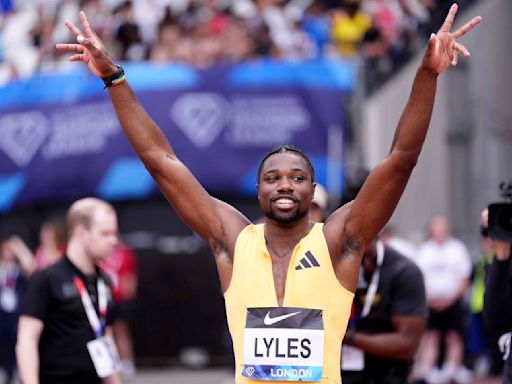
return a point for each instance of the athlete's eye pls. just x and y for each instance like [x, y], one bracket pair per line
[271, 179]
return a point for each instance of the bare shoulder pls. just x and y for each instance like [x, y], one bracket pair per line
[233, 222]
[334, 227]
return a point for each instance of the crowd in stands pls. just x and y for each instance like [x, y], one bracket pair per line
[205, 32]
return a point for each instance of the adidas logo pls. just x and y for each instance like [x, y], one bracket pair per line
[307, 262]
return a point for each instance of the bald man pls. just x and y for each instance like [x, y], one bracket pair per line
[62, 334]
[446, 266]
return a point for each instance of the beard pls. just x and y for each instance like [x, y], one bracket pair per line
[281, 219]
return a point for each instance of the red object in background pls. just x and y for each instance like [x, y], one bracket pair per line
[122, 269]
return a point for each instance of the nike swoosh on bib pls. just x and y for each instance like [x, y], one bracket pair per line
[272, 320]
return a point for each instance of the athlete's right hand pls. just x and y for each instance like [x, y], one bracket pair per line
[88, 48]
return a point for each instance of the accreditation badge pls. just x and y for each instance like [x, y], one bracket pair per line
[352, 358]
[283, 344]
[8, 299]
[104, 356]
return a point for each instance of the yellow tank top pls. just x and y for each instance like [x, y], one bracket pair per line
[310, 283]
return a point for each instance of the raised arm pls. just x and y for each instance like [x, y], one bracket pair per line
[376, 201]
[216, 222]
[23, 254]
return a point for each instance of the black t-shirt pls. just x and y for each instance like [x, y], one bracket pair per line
[497, 309]
[401, 291]
[53, 298]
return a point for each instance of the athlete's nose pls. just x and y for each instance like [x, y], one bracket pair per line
[285, 184]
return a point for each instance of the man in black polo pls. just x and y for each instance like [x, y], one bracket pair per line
[388, 319]
[62, 330]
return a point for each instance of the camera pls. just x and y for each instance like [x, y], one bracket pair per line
[500, 215]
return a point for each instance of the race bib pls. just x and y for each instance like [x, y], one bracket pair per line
[104, 356]
[283, 344]
[352, 358]
[8, 300]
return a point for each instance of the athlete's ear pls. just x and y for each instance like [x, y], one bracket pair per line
[313, 187]
[258, 190]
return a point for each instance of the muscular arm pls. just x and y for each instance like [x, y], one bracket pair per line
[379, 196]
[383, 188]
[177, 183]
[27, 349]
[215, 221]
[348, 235]
[401, 344]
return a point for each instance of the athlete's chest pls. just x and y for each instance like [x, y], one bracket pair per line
[280, 268]
[301, 270]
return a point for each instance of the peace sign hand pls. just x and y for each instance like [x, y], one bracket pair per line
[443, 50]
[89, 49]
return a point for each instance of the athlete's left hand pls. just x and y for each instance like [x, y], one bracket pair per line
[443, 50]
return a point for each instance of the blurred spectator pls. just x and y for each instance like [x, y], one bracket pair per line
[6, 6]
[121, 267]
[355, 180]
[280, 26]
[128, 34]
[388, 319]
[403, 246]
[168, 37]
[377, 62]
[316, 23]
[349, 26]
[20, 53]
[193, 16]
[497, 300]
[446, 266]
[203, 33]
[16, 264]
[64, 328]
[239, 45]
[317, 211]
[388, 17]
[482, 348]
[52, 242]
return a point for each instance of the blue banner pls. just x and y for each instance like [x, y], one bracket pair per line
[60, 137]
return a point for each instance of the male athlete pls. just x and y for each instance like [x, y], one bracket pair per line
[288, 283]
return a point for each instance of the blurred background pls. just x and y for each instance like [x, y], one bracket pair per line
[226, 80]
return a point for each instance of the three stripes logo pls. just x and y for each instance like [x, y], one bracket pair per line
[307, 262]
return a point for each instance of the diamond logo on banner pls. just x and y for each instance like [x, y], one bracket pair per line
[22, 135]
[201, 116]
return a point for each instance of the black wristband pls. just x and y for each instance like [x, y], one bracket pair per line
[113, 79]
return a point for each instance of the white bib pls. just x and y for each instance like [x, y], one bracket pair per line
[283, 344]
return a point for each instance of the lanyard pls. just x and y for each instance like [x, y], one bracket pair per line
[374, 284]
[97, 323]
[8, 277]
